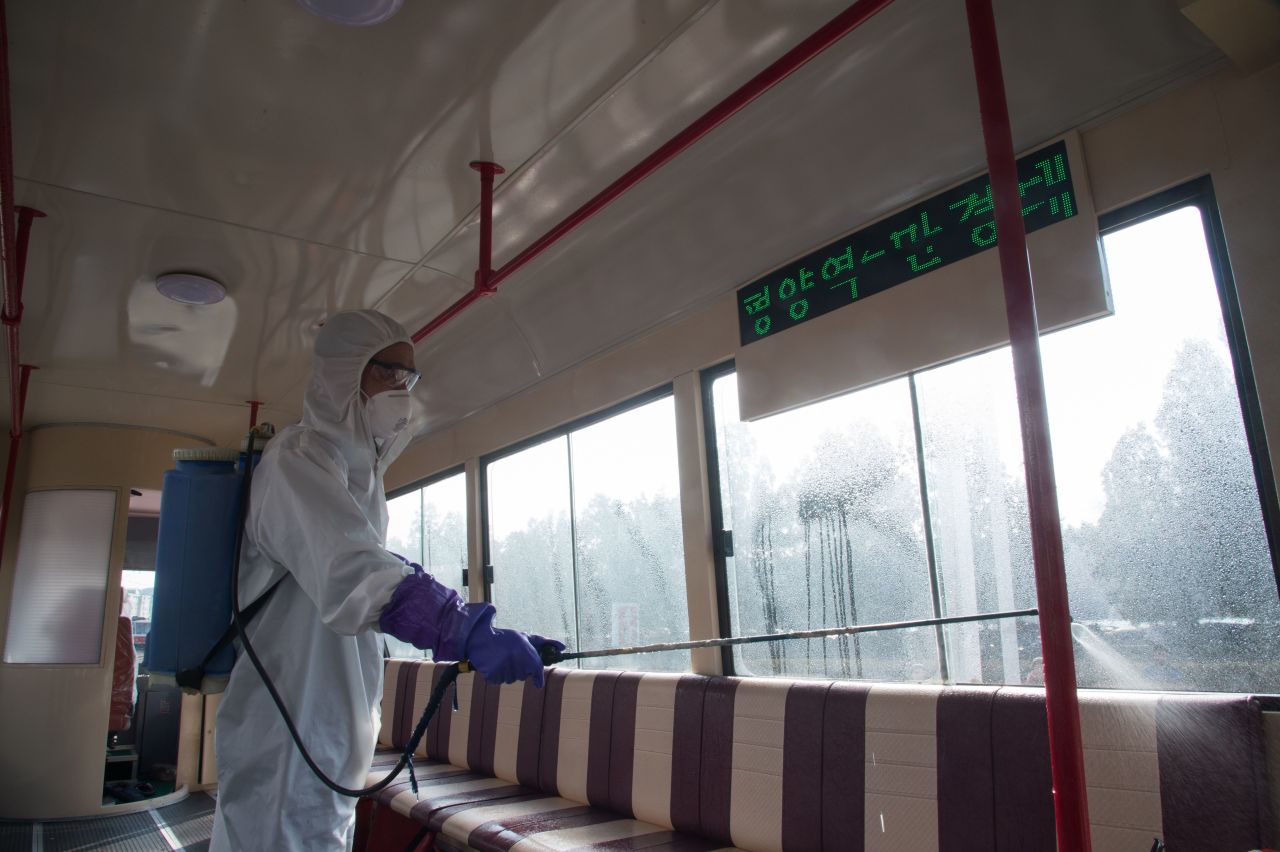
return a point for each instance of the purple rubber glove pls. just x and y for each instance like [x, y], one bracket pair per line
[503, 656]
[431, 616]
[541, 642]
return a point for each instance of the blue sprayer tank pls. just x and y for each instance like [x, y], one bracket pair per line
[191, 608]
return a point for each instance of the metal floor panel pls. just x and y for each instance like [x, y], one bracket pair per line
[127, 833]
[15, 835]
[189, 822]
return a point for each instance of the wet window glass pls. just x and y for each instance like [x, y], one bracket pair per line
[429, 526]
[824, 507]
[586, 539]
[531, 540]
[628, 540]
[1170, 577]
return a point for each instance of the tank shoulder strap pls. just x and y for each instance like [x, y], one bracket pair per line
[193, 677]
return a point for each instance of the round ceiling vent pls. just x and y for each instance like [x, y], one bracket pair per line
[353, 13]
[189, 288]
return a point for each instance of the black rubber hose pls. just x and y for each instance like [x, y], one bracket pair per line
[447, 677]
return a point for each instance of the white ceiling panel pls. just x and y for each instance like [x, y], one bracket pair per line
[886, 117]
[263, 114]
[422, 295]
[721, 50]
[469, 365]
[94, 318]
[222, 423]
[313, 167]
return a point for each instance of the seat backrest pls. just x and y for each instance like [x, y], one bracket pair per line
[123, 678]
[769, 764]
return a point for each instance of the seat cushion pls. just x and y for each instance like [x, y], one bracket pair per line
[436, 780]
[541, 822]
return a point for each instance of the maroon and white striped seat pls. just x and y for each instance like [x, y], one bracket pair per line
[610, 760]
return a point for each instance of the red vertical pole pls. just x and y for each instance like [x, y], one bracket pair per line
[11, 315]
[15, 441]
[26, 215]
[484, 270]
[1071, 807]
[254, 405]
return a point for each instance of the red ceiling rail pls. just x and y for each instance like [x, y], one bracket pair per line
[484, 283]
[1071, 808]
[14, 270]
[790, 62]
[15, 231]
[8, 240]
[15, 441]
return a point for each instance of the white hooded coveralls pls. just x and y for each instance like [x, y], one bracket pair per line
[318, 518]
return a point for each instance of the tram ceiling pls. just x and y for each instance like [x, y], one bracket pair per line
[312, 167]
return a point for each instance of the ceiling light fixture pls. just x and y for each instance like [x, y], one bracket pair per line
[353, 13]
[188, 288]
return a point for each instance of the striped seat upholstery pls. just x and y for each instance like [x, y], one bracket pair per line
[614, 760]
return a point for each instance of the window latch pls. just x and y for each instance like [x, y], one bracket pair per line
[488, 575]
[726, 543]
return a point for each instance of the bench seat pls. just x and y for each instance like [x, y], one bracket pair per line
[610, 760]
[487, 814]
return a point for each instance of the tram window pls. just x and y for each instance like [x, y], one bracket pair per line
[1169, 571]
[824, 505]
[138, 577]
[428, 525]
[978, 513]
[1168, 568]
[585, 536]
[60, 584]
[1162, 523]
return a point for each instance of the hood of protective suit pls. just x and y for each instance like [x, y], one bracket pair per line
[333, 405]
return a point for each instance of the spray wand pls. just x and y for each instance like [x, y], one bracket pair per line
[550, 656]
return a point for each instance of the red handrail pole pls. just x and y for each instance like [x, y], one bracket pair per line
[472, 295]
[484, 269]
[484, 284]
[12, 314]
[8, 241]
[15, 392]
[1071, 807]
[786, 65]
[254, 405]
[15, 441]
[26, 215]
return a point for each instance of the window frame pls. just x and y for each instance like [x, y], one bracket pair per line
[421, 484]
[563, 430]
[707, 379]
[1196, 193]
[418, 485]
[427, 481]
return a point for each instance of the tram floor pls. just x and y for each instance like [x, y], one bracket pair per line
[186, 825]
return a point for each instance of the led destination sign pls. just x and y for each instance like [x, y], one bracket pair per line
[951, 226]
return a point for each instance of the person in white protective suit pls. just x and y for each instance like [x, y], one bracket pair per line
[318, 519]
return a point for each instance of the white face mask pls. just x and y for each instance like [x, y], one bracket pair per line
[389, 413]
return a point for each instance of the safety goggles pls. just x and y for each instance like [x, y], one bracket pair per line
[398, 375]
